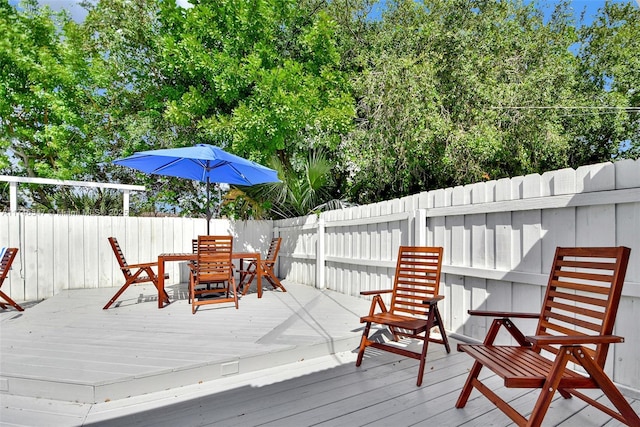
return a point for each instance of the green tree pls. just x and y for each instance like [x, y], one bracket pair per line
[456, 91]
[130, 92]
[261, 77]
[443, 92]
[43, 92]
[256, 78]
[611, 67]
[299, 193]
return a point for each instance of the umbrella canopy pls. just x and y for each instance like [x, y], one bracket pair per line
[202, 162]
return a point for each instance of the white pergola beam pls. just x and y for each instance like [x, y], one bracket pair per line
[14, 180]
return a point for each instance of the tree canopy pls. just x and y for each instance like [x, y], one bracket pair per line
[346, 105]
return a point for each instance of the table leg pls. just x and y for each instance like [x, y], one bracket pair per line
[259, 276]
[160, 282]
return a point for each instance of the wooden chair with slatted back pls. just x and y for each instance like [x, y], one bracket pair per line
[267, 265]
[133, 273]
[414, 305]
[5, 265]
[213, 266]
[575, 325]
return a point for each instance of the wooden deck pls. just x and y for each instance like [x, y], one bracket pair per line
[285, 359]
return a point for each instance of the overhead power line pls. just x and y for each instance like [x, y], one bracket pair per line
[565, 107]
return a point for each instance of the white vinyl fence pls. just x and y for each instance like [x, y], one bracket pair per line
[59, 252]
[499, 239]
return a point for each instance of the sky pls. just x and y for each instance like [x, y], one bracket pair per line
[591, 6]
[76, 11]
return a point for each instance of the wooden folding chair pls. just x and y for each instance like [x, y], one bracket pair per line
[143, 272]
[5, 265]
[574, 325]
[414, 305]
[220, 245]
[213, 265]
[267, 265]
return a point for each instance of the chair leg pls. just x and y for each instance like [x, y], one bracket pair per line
[10, 301]
[445, 340]
[549, 388]
[275, 282]
[423, 357]
[246, 277]
[117, 295]
[468, 385]
[232, 286]
[124, 287]
[363, 343]
[475, 371]
[425, 344]
[192, 296]
[164, 291]
[626, 413]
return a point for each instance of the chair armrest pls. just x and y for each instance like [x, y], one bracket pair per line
[574, 339]
[142, 265]
[377, 292]
[433, 300]
[503, 314]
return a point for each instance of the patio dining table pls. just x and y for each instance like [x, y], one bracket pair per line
[190, 256]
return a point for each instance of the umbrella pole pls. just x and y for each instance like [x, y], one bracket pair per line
[208, 211]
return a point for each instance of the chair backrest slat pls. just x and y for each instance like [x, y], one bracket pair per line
[417, 278]
[122, 262]
[274, 248]
[209, 244]
[583, 294]
[5, 263]
[214, 258]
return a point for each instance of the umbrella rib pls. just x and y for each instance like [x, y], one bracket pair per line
[177, 160]
[230, 165]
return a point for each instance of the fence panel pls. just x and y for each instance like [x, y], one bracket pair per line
[499, 238]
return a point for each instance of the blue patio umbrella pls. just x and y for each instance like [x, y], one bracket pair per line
[202, 162]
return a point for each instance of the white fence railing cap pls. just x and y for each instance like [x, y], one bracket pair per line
[14, 180]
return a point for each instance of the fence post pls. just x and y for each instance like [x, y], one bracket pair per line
[275, 232]
[320, 255]
[125, 203]
[13, 196]
[420, 227]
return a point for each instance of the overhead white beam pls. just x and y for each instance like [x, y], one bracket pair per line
[14, 180]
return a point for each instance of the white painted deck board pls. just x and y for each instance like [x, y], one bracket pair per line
[90, 346]
[295, 356]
